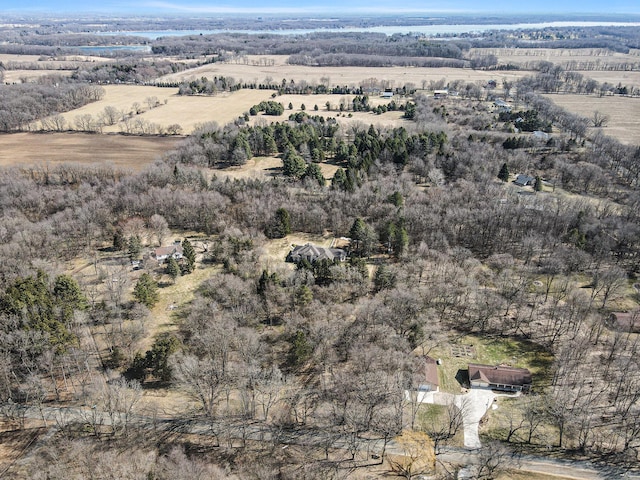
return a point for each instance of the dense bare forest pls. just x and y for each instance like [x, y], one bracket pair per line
[307, 371]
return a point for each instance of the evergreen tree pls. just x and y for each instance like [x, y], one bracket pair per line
[119, 240]
[504, 173]
[146, 290]
[172, 268]
[303, 295]
[384, 278]
[134, 246]
[314, 173]
[280, 224]
[189, 254]
[299, 351]
[157, 358]
[33, 305]
[537, 186]
[339, 180]
[363, 238]
[396, 199]
[293, 165]
[69, 296]
[400, 242]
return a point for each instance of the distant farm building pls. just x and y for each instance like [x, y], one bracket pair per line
[541, 136]
[313, 253]
[502, 106]
[440, 93]
[625, 321]
[388, 93]
[499, 377]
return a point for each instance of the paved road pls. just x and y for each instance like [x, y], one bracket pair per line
[574, 469]
[462, 456]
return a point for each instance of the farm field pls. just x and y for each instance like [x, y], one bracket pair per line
[566, 57]
[629, 79]
[183, 110]
[125, 152]
[189, 111]
[393, 76]
[623, 112]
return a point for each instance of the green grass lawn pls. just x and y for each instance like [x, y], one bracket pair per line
[491, 351]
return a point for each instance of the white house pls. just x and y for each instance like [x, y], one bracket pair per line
[162, 253]
[388, 93]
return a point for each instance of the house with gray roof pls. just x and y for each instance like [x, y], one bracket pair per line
[522, 180]
[313, 253]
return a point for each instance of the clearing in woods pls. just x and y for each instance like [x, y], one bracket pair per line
[623, 113]
[186, 111]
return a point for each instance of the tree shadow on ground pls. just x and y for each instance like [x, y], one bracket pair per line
[463, 377]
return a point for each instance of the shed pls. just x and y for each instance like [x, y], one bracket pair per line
[388, 93]
[431, 380]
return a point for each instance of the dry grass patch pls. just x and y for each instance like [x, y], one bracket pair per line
[189, 111]
[263, 168]
[353, 76]
[173, 297]
[630, 79]
[623, 113]
[123, 152]
[186, 111]
[15, 441]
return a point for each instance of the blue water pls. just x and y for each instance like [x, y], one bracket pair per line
[429, 30]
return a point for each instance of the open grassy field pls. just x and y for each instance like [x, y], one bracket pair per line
[623, 112]
[126, 152]
[20, 68]
[395, 76]
[24, 76]
[187, 111]
[580, 58]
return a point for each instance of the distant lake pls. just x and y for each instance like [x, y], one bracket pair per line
[429, 30]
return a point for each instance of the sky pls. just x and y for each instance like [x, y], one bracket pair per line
[318, 7]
